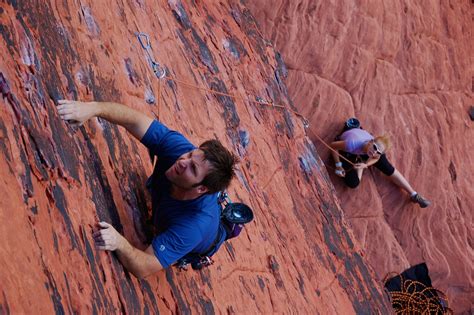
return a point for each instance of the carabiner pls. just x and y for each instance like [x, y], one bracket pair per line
[147, 38]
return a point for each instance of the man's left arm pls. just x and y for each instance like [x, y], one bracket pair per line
[140, 263]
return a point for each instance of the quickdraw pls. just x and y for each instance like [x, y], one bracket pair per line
[144, 40]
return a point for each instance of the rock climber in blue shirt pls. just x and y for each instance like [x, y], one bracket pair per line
[184, 187]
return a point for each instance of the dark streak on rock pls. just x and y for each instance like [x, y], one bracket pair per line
[205, 54]
[205, 277]
[71, 85]
[128, 291]
[65, 148]
[359, 308]
[131, 73]
[55, 242]
[333, 240]
[90, 22]
[23, 118]
[94, 309]
[261, 283]
[230, 250]
[3, 146]
[452, 171]
[19, 111]
[244, 137]
[279, 128]
[368, 279]
[282, 70]
[281, 73]
[354, 266]
[348, 239]
[53, 290]
[8, 38]
[300, 280]
[145, 286]
[289, 124]
[180, 301]
[244, 181]
[68, 292]
[34, 209]
[187, 47]
[249, 25]
[230, 112]
[4, 86]
[90, 255]
[236, 48]
[26, 177]
[206, 305]
[43, 154]
[146, 310]
[101, 192]
[306, 168]
[181, 16]
[4, 308]
[285, 158]
[39, 15]
[275, 270]
[247, 288]
[104, 90]
[109, 138]
[60, 201]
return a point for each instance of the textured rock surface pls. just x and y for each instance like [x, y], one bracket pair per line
[56, 183]
[405, 68]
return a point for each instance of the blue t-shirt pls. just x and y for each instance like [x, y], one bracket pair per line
[183, 226]
[355, 140]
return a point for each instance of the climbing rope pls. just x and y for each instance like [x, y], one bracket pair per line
[160, 73]
[417, 298]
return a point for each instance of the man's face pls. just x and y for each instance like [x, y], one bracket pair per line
[189, 170]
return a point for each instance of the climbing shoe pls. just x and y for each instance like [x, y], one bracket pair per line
[420, 200]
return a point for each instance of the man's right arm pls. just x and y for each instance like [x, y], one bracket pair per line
[78, 112]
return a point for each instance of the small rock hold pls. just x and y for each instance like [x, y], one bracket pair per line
[149, 97]
[129, 70]
[244, 138]
[91, 24]
[180, 14]
[272, 263]
[471, 113]
[4, 87]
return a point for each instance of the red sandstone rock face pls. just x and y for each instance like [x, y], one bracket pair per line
[403, 68]
[298, 256]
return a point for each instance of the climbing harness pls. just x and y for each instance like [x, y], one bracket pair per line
[232, 220]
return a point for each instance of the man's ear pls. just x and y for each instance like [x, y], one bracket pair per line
[202, 189]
